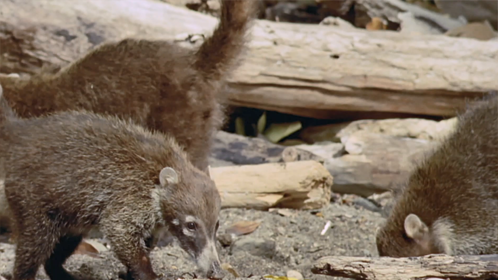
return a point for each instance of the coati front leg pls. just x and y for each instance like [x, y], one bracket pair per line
[63, 250]
[35, 242]
[125, 233]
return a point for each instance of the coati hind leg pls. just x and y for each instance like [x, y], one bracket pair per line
[65, 248]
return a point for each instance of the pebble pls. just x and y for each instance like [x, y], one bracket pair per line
[225, 239]
[255, 246]
[294, 274]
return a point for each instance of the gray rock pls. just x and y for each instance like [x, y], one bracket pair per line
[225, 239]
[409, 128]
[323, 149]
[375, 163]
[254, 246]
[472, 10]
[294, 274]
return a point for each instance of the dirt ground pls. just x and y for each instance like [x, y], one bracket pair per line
[289, 240]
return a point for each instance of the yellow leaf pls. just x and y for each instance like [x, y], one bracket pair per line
[239, 126]
[278, 131]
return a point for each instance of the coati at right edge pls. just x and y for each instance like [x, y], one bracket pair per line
[156, 83]
[450, 202]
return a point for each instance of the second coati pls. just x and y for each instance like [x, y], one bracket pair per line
[156, 83]
[450, 202]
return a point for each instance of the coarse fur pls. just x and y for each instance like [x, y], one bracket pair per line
[156, 83]
[69, 172]
[450, 203]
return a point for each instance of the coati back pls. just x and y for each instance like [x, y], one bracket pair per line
[155, 83]
[450, 203]
[69, 172]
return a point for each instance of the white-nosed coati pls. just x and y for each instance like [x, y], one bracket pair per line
[156, 83]
[450, 203]
[69, 172]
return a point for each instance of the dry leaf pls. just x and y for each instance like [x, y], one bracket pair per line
[262, 123]
[278, 131]
[240, 126]
[376, 24]
[229, 268]
[319, 214]
[86, 249]
[243, 227]
[283, 212]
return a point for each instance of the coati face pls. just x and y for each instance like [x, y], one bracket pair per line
[411, 239]
[192, 207]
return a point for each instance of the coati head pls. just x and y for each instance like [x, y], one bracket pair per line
[412, 238]
[190, 207]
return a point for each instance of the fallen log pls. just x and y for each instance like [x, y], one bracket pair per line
[308, 70]
[240, 150]
[298, 185]
[440, 266]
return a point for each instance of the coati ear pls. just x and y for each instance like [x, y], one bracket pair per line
[168, 176]
[415, 228]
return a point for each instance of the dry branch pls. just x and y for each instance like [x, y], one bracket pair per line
[306, 70]
[441, 266]
[299, 185]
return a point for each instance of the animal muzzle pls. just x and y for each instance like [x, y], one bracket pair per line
[209, 262]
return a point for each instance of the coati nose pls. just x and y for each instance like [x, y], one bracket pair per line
[216, 272]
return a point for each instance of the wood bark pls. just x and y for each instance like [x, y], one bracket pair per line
[307, 70]
[440, 266]
[298, 185]
[233, 149]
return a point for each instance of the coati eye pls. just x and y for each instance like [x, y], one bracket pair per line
[191, 226]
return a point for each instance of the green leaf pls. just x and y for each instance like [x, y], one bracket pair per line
[262, 123]
[278, 131]
[239, 126]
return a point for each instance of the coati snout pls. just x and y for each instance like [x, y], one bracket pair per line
[199, 241]
[194, 223]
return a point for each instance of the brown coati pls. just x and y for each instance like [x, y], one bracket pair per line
[70, 172]
[450, 202]
[156, 83]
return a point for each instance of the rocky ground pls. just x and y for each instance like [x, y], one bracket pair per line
[285, 244]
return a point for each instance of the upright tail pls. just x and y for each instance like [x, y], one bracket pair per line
[6, 112]
[219, 53]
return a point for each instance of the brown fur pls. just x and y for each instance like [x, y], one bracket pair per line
[69, 172]
[156, 83]
[453, 194]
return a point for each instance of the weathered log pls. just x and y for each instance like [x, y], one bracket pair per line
[390, 9]
[299, 185]
[441, 266]
[307, 70]
[240, 150]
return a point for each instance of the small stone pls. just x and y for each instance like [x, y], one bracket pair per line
[225, 239]
[294, 274]
[255, 246]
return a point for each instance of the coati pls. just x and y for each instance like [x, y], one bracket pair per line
[69, 172]
[450, 202]
[156, 83]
